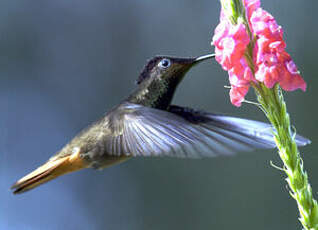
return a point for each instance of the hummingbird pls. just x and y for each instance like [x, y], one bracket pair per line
[146, 124]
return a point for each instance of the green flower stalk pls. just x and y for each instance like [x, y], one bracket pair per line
[274, 106]
[249, 45]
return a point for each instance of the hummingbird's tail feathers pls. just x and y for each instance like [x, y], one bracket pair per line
[49, 171]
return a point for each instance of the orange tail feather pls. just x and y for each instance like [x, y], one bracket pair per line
[49, 171]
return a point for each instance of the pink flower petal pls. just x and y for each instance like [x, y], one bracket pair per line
[237, 95]
[291, 79]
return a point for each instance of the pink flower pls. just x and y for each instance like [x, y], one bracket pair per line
[241, 74]
[251, 6]
[274, 64]
[230, 43]
[271, 63]
[237, 95]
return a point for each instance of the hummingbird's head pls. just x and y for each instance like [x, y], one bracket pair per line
[160, 78]
[168, 69]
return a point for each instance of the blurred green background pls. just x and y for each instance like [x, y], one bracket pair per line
[63, 64]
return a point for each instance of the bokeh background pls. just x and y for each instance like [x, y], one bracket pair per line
[63, 64]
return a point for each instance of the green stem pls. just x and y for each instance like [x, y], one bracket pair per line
[274, 106]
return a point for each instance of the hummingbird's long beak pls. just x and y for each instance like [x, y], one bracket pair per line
[204, 57]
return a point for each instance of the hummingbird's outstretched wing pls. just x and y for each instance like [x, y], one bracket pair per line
[184, 132]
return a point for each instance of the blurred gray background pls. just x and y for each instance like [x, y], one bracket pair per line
[63, 64]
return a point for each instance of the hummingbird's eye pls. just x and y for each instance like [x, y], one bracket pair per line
[164, 63]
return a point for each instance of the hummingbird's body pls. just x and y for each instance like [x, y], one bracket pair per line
[145, 124]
